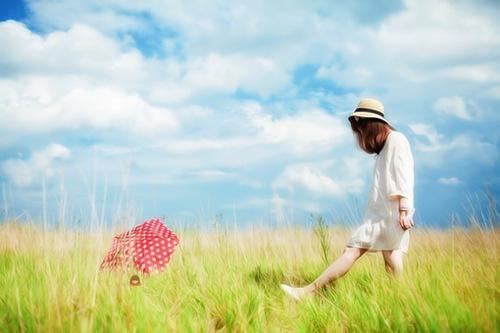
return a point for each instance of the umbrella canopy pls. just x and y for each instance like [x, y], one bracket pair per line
[147, 247]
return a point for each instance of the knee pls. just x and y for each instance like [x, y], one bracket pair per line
[394, 268]
[393, 262]
[352, 254]
[398, 267]
[397, 272]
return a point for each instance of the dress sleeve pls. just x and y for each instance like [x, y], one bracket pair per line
[401, 173]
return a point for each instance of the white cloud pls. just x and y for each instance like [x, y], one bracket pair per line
[469, 148]
[113, 150]
[80, 72]
[216, 72]
[477, 73]
[74, 80]
[212, 174]
[306, 131]
[79, 50]
[186, 146]
[434, 139]
[462, 146]
[313, 178]
[448, 30]
[453, 105]
[306, 177]
[98, 60]
[462, 43]
[108, 16]
[457, 33]
[253, 202]
[46, 104]
[42, 163]
[311, 207]
[451, 181]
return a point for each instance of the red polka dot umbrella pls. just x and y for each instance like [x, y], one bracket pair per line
[147, 247]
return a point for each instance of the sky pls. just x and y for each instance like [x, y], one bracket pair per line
[236, 112]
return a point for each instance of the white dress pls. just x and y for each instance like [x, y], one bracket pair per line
[393, 175]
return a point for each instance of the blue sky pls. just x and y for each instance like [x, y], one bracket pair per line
[235, 109]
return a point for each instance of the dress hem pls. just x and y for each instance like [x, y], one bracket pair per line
[371, 249]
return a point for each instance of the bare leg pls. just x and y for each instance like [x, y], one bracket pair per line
[394, 262]
[337, 269]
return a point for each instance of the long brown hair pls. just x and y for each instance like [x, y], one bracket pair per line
[371, 133]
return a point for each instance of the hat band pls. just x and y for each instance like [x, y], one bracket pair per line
[370, 111]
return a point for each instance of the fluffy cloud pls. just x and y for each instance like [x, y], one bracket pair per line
[41, 164]
[462, 44]
[451, 33]
[284, 37]
[434, 139]
[313, 178]
[81, 50]
[99, 60]
[240, 91]
[461, 146]
[454, 106]
[110, 17]
[227, 73]
[39, 104]
[74, 80]
[218, 74]
[305, 132]
[451, 181]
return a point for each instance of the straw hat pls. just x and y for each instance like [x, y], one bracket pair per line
[369, 108]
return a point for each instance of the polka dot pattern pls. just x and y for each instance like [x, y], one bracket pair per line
[148, 247]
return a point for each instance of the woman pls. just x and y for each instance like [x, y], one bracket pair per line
[389, 214]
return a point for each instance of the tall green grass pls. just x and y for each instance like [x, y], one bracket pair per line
[228, 280]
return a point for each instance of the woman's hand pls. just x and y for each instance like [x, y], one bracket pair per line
[405, 219]
[405, 213]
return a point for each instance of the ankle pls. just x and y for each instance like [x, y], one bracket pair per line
[311, 288]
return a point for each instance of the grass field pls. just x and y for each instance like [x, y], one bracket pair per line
[229, 281]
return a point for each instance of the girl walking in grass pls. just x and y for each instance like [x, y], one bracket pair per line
[389, 213]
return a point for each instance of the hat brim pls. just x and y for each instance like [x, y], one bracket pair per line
[362, 114]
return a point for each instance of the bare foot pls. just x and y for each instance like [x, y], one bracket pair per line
[296, 293]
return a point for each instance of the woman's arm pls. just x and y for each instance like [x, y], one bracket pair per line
[401, 179]
[405, 213]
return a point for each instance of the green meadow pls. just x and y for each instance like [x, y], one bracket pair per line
[228, 280]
